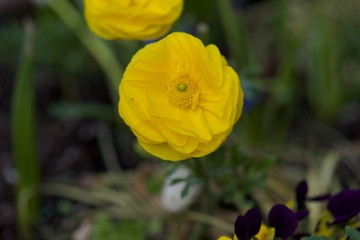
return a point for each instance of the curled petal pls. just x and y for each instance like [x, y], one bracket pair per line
[241, 228]
[301, 192]
[344, 205]
[283, 220]
[253, 217]
[300, 215]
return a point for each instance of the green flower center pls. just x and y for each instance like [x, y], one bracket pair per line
[182, 91]
[182, 87]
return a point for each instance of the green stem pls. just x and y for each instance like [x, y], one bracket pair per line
[209, 202]
[235, 34]
[24, 139]
[204, 218]
[97, 48]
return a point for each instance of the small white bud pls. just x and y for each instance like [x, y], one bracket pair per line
[171, 198]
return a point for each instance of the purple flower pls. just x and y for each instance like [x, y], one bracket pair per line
[301, 198]
[249, 225]
[344, 205]
[301, 193]
[283, 220]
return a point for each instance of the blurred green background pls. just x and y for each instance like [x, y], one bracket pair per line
[299, 64]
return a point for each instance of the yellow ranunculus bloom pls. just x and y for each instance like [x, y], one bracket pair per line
[131, 19]
[180, 98]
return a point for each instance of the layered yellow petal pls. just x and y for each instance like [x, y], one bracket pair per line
[129, 19]
[163, 151]
[180, 98]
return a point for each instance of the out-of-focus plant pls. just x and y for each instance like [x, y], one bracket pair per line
[98, 49]
[24, 140]
[160, 105]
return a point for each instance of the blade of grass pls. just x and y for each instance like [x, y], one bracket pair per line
[235, 34]
[97, 48]
[90, 110]
[325, 90]
[24, 138]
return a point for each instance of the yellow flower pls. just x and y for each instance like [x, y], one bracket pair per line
[265, 233]
[323, 228]
[180, 98]
[226, 238]
[131, 19]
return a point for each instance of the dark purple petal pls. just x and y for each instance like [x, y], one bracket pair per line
[241, 228]
[301, 192]
[300, 215]
[344, 205]
[253, 217]
[344, 218]
[283, 220]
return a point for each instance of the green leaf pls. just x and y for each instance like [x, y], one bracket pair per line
[177, 180]
[24, 138]
[186, 189]
[352, 233]
[314, 238]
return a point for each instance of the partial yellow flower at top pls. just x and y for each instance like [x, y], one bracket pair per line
[131, 19]
[180, 98]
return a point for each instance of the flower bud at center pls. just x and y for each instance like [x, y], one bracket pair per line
[182, 87]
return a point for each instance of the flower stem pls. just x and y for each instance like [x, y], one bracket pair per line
[207, 205]
[97, 48]
[24, 138]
